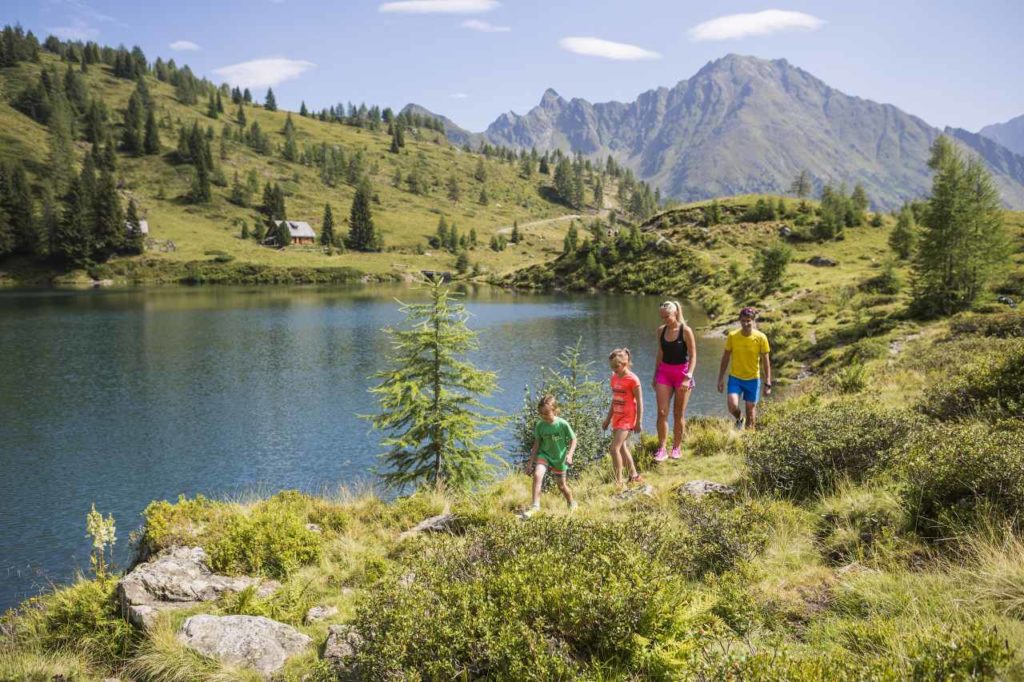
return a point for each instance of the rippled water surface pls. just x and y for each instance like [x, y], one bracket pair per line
[120, 398]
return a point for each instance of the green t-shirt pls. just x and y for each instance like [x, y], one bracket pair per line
[554, 439]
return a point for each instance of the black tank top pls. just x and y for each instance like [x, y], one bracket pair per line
[674, 352]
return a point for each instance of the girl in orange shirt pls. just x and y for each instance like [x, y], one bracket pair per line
[625, 414]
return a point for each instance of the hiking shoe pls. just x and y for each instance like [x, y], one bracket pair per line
[676, 454]
[530, 511]
[739, 423]
[660, 455]
[636, 479]
[573, 506]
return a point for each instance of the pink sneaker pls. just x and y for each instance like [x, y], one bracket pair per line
[675, 453]
[660, 455]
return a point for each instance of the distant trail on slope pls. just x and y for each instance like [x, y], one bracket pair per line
[505, 230]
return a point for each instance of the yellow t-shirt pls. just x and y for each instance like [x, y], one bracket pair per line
[746, 353]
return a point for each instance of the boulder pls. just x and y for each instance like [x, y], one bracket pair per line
[784, 231]
[639, 491]
[342, 644]
[177, 578]
[699, 489]
[320, 613]
[442, 523]
[314, 528]
[822, 262]
[250, 641]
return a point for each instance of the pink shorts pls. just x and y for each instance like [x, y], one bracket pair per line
[672, 375]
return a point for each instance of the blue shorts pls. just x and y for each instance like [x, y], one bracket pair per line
[748, 389]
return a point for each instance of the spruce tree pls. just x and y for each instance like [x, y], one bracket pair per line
[565, 182]
[282, 235]
[61, 160]
[211, 107]
[303, 111]
[901, 239]
[134, 239]
[72, 238]
[247, 96]
[484, 200]
[441, 234]
[516, 237]
[8, 242]
[327, 231]
[239, 194]
[962, 241]
[480, 174]
[361, 232]
[429, 400]
[801, 186]
[462, 263]
[454, 190]
[200, 192]
[571, 241]
[151, 141]
[108, 218]
[270, 103]
[240, 116]
[16, 199]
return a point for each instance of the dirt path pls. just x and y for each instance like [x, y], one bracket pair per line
[537, 223]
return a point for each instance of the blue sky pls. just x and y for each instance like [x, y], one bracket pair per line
[949, 62]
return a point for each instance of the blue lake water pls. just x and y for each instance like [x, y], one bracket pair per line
[121, 397]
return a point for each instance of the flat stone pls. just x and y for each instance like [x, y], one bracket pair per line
[641, 490]
[699, 489]
[318, 613]
[342, 644]
[177, 578]
[822, 262]
[442, 523]
[250, 641]
[314, 527]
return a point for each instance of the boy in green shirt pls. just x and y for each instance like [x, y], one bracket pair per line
[554, 443]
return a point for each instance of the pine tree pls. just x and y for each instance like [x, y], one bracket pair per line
[270, 104]
[770, 264]
[8, 242]
[220, 102]
[462, 263]
[440, 240]
[72, 239]
[240, 116]
[303, 111]
[151, 140]
[565, 182]
[211, 107]
[239, 195]
[134, 239]
[480, 174]
[801, 186]
[327, 231]
[515, 238]
[901, 239]
[544, 169]
[598, 194]
[484, 200]
[16, 199]
[962, 241]
[571, 241]
[454, 190]
[62, 156]
[247, 96]
[245, 230]
[282, 235]
[200, 192]
[473, 239]
[361, 232]
[429, 400]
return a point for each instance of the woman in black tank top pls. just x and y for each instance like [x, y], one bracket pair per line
[673, 376]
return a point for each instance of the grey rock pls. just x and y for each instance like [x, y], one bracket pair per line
[342, 644]
[822, 262]
[442, 523]
[640, 491]
[699, 489]
[784, 231]
[250, 641]
[314, 527]
[177, 578]
[318, 613]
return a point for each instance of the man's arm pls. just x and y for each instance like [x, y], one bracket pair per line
[724, 365]
[766, 365]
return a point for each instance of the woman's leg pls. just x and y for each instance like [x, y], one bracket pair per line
[664, 396]
[679, 423]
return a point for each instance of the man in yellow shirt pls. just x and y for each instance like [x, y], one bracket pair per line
[748, 349]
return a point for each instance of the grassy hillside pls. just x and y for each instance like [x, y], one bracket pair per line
[160, 185]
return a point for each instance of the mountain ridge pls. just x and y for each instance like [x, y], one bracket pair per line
[744, 125]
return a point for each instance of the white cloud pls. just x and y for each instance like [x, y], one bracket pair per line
[484, 27]
[763, 23]
[260, 73]
[440, 6]
[596, 47]
[184, 45]
[79, 31]
[458, 95]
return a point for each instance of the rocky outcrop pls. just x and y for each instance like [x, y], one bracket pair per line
[699, 489]
[442, 523]
[177, 578]
[318, 613]
[250, 641]
[822, 262]
[342, 644]
[645, 490]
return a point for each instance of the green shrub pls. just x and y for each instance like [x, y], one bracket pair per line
[548, 599]
[1003, 325]
[858, 523]
[989, 385]
[185, 522]
[851, 378]
[85, 617]
[272, 539]
[955, 471]
[804, 450]
[721, 534]
[709, 437]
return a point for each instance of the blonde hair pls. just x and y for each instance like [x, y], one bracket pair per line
[622, 356]
[548, 402]
[678, 311]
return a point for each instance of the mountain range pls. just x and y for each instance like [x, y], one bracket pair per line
[1009, 134]
[748, 125]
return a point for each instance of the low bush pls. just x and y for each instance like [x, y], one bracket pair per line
[721, 534]
[270, 540]
[85, 617]
[554, 598]
[1003, 325]
[186, 522]
[988, 385]
[954, 471]
[804, 450]
[709, 437]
